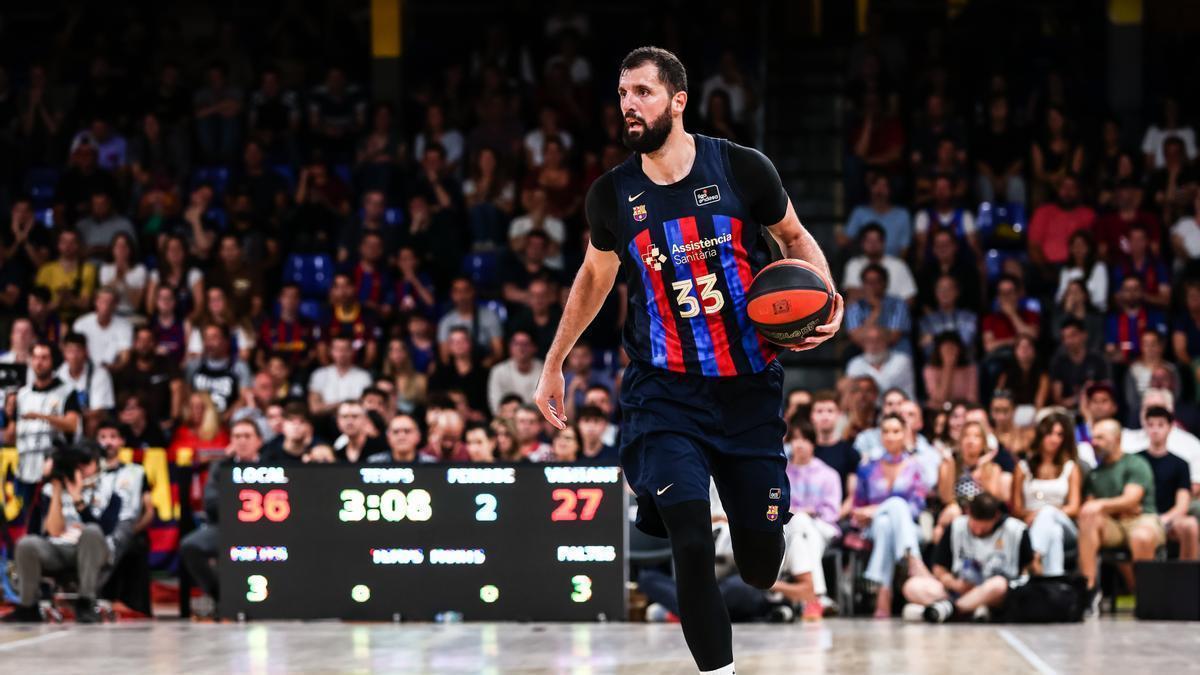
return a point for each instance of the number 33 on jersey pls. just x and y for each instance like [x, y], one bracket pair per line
[689, 252]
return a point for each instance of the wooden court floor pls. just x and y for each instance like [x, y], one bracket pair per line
[837, 646]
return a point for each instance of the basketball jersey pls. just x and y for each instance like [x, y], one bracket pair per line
[689, 252]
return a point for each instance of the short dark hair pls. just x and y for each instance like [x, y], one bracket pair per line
[295, 408]
[801, 425]
[1074, 322]
[511, 398]
[872, 227]
[42, 293]
[111, 423]
[875, 268]
[1160, 412]
[373, 391]
[670, 69]
[246, 421]
[77, 339]
[591, 412]
[984, 507]
[478, 426]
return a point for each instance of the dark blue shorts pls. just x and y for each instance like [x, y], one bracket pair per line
[678, 429]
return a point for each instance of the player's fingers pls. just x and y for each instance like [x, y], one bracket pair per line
[550, 410]
[835, 320]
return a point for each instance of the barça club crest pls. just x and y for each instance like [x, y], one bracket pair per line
[639, 212]
[773, 512]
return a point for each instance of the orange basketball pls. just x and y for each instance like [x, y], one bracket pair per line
[788, 299]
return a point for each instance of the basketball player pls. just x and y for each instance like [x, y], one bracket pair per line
[703, 392]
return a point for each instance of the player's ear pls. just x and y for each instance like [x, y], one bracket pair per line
[679, 102]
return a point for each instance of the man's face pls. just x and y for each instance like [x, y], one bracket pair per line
[373, 206]
[528, 426]
[245, 442]
[1068, 192]
[1131, 293]
[872, 244]
[1002, 411]
[214, 343]
[873, 342]
[541, 296]
[866, 392]
[462, 294]
[68, 245]
[459, 344]
[342, 353]
[881, 191]
[646, 105]
[946, 292]
[824, 416]
[343, 290]
[874, 285]
[22, 212]
[110, 439]
[942, 191]
[592, 429]
[289, 300]
[1101, 405]
[535, 250]
[980, 528]
[42, 362]
[599, 398]
[101, 206]
[580, 359]
[1106, 438]
[403, 435]
[230, 252]
[521, 347]
[1158, 428]
[274, 416]
[106, 304]
[74, 355]
[263, 388]
[1073, 338]
[349, 419]
[480, 447]
[371, 248]
[252, 155]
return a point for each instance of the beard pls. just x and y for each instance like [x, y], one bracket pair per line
[651, 137]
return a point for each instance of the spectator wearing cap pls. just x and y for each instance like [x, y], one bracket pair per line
[70, 278]
[900, 281]
[483, 327]
[877, 309]
[895, 221]
[1142, 263]
[1053, 223]
[109, 336]
[101, 226]
[1074, 366]
[1172, 483]
[1128, 321]
[339, 381]
[517, 374]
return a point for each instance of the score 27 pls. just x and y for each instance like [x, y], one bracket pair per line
[568, 499]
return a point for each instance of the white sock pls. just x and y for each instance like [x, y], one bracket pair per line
[727, 670]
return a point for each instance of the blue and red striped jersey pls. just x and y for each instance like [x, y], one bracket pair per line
[689, 252]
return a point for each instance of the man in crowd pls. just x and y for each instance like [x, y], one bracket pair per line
[899, 279]
[838, 453]
[1052, 225]
[403, 441]
[91, 383]
[296, 444]
[1127, 322]
[894, 220]
[218, 372]
[109, 336]
[351, 320]
[128, 577]
[289, 335]
[1172, 483]
[1074, 366]
[357, 440]
[890, 368]
[155, 377]
[592, 423]
[516, 375]
[44, 413]
[340, 381]
[482, 324]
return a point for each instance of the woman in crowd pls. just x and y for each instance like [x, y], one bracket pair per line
[200, 430]
[489, 195]
[949, 375]
[564, 197]
[398, 368]
[1025, 377]
[507, 449]
[125, 274]
[1011, 436]
[890, 495]
[1082, 264]
[816, 500]
[565, 447]
[1053, 156]
[422, 347]
[171, 327]
[967, 474]
[174, 272]
[945, 440]
[217, 311]
[1047, 493]
[414, 286]
[1076, 304]
[1137, 378]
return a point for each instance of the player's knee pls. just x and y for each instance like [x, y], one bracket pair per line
[758, 556]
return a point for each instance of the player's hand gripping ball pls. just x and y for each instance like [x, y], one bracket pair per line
[793, 305]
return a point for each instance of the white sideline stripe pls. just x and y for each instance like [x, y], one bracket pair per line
[1028, 654]
[45, 637]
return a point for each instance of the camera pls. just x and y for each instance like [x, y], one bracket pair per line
[69, 459]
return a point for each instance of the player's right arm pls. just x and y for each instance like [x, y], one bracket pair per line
[592, 285]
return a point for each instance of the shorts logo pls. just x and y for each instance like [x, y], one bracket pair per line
[775, 493]
[639, 212]
[654, 258]
[707, 195]
[773, 512]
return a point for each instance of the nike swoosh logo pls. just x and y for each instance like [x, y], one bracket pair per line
[662, 490]
[633, 198]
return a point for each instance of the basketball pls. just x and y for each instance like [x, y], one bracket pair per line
[788, 300]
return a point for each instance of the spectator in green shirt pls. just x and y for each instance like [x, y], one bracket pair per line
[1119, 508]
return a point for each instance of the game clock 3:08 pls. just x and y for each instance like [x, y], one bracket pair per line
[392, 506]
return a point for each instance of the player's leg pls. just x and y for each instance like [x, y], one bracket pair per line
[756, 494]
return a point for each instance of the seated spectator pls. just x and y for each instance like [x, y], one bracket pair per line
[944, 215]
[481, 443]
[548, 127]
[349, 318]
[868, 442]
[529, 439]
[101, 226]
[150, 374]
[255, 403]
[109, 336]
[273, 116]
[537, 219]
[1172, 484]
[337, 113]
[564, 194]
[579, 374]
[947, 317]
[520, 268]
[600, 396]
[1172, 184]
[398, 368]
[861, 404]
[890, 368]
[877, 309]
[436, 131]
[125, 275]
[218, 107]
[949, 164]
[357, 440]
[82, 177]
[539, 318]
[43, 320]
[1142, 369]
[370, 219]
[816, 493]
[242, 283]
[876, 139]
[517, 374]
[296, 442]
[1000, 156]
[217, 311]
[997, 453]
[174, 273]
[91, 383]
[950, 375]
[592, 424]
[445, 435]
[462, 370]
[414, 290]
[1169, 126]
[340, 381]
[287, 335]
[1010, 320]
[1053, 223]
[70, 278]
[890, 494]
[1074, 366]
[970, 472]
[382, 151]
[1025, 377]
[141, 431]
[1054, 156]
[198, 550]
[1128, 321]
[1076, 306]
[21, 339]
[403, 443]
[200, 428]
[489, 194]
[1140, 262]
[1047, 489]
[1185, 336]
[374, 286]
[834, 451]
[71, 533]
[218, 372]
[127, 577]
[507, 449]
[1185, 237]
[564, 447]
[1112, 229]
[900, 281]
[983, 551]
[1180, 441]
[1083, 265]
[894, 221]
[1119, 507]
[482, 325]
[948, 260]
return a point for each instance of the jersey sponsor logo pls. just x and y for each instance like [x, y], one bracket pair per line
[700, 249]
[707, 195]
[639, 212]
[773, 512]
[654, 258]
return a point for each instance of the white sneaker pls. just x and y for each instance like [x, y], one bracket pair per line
[656, 613]
[913, 612]
[982, 614]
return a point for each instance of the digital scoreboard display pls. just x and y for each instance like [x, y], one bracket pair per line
[536, 542]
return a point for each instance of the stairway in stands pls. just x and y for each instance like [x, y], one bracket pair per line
[804, 137]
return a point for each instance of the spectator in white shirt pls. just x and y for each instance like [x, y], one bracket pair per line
[872, 240]
[92, 384]
[337, 382]
[1185, 235]
[1152, 142]
[109, 337]
[516, 375]
[548, 126]
[891, 369]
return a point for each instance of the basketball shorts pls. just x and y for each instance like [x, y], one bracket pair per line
[679, 429]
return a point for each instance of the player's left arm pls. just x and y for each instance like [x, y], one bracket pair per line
[758, 181]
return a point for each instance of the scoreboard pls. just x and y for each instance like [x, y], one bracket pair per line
[537, 542]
